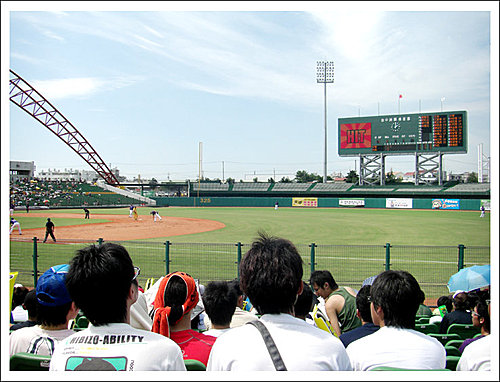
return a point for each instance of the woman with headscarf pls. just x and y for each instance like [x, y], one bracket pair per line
[176, 297]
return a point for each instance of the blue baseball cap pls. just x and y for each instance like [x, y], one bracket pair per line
[51, 289]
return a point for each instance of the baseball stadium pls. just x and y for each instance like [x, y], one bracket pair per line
[356, 230]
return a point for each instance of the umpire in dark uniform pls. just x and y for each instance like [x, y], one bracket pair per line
[49, 230]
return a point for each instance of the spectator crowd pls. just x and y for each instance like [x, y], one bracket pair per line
[176, 319]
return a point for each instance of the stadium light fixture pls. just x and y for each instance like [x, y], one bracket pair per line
[324, 75]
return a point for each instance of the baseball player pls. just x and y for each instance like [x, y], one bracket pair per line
[482, 212]
[13, 224]
[131, 210]
[87, 213]
[134, 212]
[155, 215]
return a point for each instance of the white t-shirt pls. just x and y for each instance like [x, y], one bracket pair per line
[302, 347]
[476, 356]
[19, 314]
[117, 347]
[215, 332]
[139, 313]
[395, 347]
[240, 317]
[36, 340]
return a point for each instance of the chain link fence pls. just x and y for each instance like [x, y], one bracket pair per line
[432, 266]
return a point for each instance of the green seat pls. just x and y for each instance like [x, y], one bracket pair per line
[427, 328]
[29, 362]
[463, 330]
[477, 335]
[451, 362]
[444, 338]
[82, 322]
[422, 320]
[194, 365]
[452, 350]
[390, 368]
[454, 343]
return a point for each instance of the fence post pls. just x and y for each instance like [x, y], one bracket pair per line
[167, 257]
[313, 256]
[461, 248]
[99, 242]
[35, 261]
[387, 256]
[239, 260]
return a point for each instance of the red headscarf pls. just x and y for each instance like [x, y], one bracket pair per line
[161, 312]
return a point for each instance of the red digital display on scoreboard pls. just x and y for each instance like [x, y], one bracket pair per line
[355, 136]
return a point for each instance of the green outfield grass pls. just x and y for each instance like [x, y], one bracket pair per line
[319, 225]
[350, 242]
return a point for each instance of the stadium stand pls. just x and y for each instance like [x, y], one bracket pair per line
[469, 187]
[211, 186]
[251, 186]
[328, 187]
[419, 189]
[372, 189]
[43, 193]
[291, 186]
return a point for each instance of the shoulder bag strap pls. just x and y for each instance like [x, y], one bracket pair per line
[271, 346]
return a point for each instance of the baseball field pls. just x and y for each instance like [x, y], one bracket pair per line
[350, 241]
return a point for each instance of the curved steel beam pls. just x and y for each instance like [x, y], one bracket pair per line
[32, 102]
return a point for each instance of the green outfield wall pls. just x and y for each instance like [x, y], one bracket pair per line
[312, 202]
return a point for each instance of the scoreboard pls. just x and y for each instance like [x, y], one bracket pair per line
[444, 132]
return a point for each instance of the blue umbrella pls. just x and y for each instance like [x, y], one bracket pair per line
[470, 278]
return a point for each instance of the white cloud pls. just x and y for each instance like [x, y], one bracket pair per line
[79, 87]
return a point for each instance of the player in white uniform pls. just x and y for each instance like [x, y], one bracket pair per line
[13, 224]
[155, 215]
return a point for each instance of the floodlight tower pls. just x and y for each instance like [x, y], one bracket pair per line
[324, 75]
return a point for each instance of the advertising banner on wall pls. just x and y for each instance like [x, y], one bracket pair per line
[398, 203]
[446, 204]
[304, 202]
[352, 202]
[486, 204]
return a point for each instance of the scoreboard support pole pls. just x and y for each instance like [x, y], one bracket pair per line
[372, 169]
[428, 164]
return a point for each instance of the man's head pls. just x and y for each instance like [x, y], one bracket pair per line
[220, 299]
[446, 301]
[102, 282]
[323, 283]
[460, 301]
[363, 304]
[481, 316]
[395, 298]
[54, 301]
[271, 275]
[235, 284]
[304, 303]
[30, 304]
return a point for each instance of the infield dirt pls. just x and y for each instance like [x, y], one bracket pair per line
[122, 227]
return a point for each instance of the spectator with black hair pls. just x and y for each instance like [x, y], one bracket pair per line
[459, 314]
[55, 309]
[18, 313]
[477, 355]
[219, 300]
[176, 297]
[240, 316]
[30, 305]
[102, 281]
[340, 302]
[423, 310]
[304, 304]
[271, 276]
[394, 300]
[363, 311]
[480, 319]
[444, 305]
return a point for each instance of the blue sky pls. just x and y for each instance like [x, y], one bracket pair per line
[144, 84]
